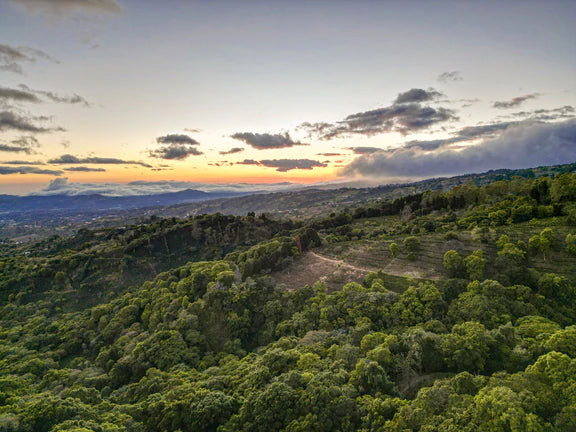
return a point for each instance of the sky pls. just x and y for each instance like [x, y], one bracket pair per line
[141, 95]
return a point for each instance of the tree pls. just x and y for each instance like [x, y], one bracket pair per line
[412, 244]
[571, 243]
[475, 264]
[466, 347]
[394, 248]
[453, 263]
[371, 378]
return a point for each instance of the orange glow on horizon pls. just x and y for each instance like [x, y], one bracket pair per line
[232, 174]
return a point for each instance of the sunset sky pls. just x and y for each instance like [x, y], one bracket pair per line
[106, 91]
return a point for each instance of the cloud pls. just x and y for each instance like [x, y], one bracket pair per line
[176, 147]
[266, 141]
[63, 7]
[174, 152]
[232, 151]
[71, 159]
[176, 139]
[364, 150]
[61, 186]
[248, 162]
[12, 121]
[18, 95]
[54, 97]
[6, 170]
[417, 95]
[21, 162]
[12, 58]
[514, 102]
[521, 145]
[284, 165]
[446, 77]
[405, 115]
[468, 133]
[563, 112]
[429, 145]
[14, 149]
[85, 169]
[329, 154]
[24, 144]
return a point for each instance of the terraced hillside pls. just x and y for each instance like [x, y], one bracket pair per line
[427, 261]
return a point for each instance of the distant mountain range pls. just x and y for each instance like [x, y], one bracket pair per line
[38, 216]
[96, 202]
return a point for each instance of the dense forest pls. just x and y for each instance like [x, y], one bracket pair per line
[178, 325]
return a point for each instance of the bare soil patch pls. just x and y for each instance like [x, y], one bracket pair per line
[310, 268]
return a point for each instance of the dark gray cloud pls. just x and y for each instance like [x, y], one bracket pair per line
[266, 141]
[417, 95]
[12, 58]
[284, 165]
[446, 77]
[514, 102]
[14, 149]
[24, 144]
[232, 151]
[248, 162]
[364, 150]
[329, 154]
[54, 97]
[405, 115]
[85, 169]
[401, 118]
[175, 147]
[63, 7]
[18, 95]
[21, 162]
[71, 159]
[490, 129]
[174, 152]
[176, 139]
[521, 145]
[11, 121]
[467, 133]
[564, 112]
[429, 145]
[6, 170]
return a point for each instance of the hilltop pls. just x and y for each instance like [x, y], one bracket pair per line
[434, 310]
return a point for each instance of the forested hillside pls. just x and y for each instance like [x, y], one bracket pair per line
[465, 320]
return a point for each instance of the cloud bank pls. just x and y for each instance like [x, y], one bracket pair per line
[61, 186]
[522, 145]
[284, 165]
